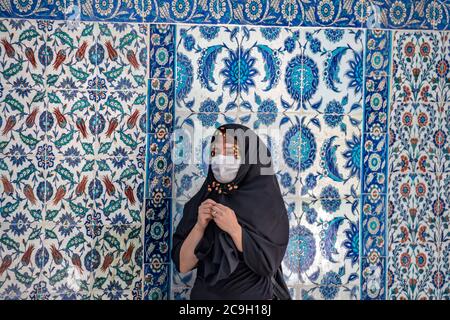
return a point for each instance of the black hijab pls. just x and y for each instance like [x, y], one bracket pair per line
[259, 207]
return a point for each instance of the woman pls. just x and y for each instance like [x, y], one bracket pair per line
[235, 230]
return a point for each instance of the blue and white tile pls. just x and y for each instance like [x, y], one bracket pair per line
[333, 13]
[331, 153]
[45, 9]
[115, 10]
[160, 106]
[157, 232]
[324, 242]
[373, 278]
[270, 70]
[162, 51]
[401, 14]
[331, 289]
[156, 281]
[332, 70]
[207, 68]
[159, 166]
[180, 293]
[281, 132]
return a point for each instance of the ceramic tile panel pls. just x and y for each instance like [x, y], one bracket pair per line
[25, 122]
[324, 243]
[208, 68]
[418, 223]
[269, 70]
[395, 14]
[23, 58]
[332, 70]
[159, 165]
[403, 14]
[22, 258]
[419, 67]
[374, 164]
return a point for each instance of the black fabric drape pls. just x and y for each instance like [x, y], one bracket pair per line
[260, 210]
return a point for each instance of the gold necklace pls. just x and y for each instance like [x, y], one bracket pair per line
[222, 188]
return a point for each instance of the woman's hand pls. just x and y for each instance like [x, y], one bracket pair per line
[226, 219]
[204, 213]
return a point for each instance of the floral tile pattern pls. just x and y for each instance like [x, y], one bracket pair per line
[372, 14]
[324, 243]
[403, 14]
[208, 68]
[73, 149]
[22, 59]
[159, 166]
[24, 122]
[374, 166]
[21, 255]
[420, 67]
[418, 157]
[316, 144]
[118, 262]
[93, 179]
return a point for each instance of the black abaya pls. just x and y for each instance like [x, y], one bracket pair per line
[223, 272]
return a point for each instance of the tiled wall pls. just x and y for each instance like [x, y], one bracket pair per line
[419, 155]
[357, 119]
[73, 132]
[306, 86]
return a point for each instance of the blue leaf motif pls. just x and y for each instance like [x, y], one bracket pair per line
[285, 104]
[284, 120]
[206, 64]
[329, 160]
[329, 237]
[245, 119]
[189, 122]
[314, 276]
[230, 106]
[271, 66]
[317, 105]
[332, 67]
[316, 122]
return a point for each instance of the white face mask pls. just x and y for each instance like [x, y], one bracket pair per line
[225, 168]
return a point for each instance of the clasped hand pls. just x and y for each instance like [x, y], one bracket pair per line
[223, 216]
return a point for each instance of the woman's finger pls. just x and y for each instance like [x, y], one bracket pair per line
[221, 206]
[209, 201]
[205, 211]
[218, 210]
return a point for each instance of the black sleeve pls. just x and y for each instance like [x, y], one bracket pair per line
[260, 254]
[183, 229]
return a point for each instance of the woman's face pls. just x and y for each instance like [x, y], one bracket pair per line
[222, 146]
